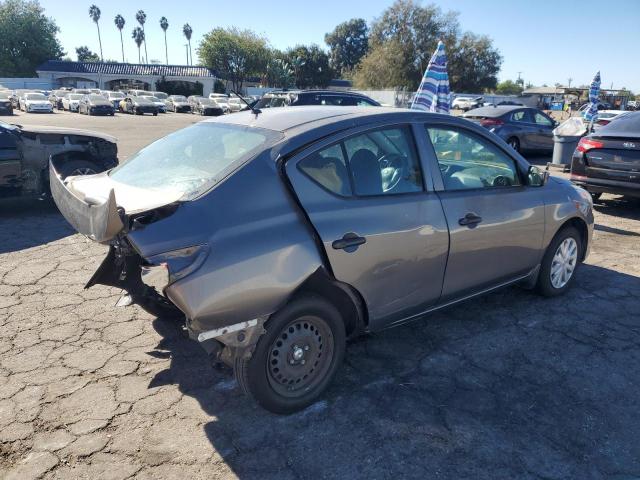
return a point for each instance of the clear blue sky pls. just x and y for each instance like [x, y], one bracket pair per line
[547, 40]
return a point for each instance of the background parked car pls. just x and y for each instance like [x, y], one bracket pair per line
[523, 128]
[35, 102]
[56, 96]
[162, 107]
[206, 106]
[114, 98]
[161, 95]
[608, 160]
[222, 100]
[95, 105]
[82, 91]
[294, 98]
[71, 101]
[178, 104]
[138, 106]
[466, 103]
[25, 153]
[6, 107]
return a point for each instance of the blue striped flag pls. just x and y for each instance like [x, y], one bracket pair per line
[433, 92]
[591, 115]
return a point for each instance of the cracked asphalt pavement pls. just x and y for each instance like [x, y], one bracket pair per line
[509, 385]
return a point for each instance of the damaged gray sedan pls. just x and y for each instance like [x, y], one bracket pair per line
[279, 235]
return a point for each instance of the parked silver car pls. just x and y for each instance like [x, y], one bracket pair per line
[280, 234]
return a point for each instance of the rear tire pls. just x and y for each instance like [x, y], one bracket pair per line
[296, 359]
[514, 143]
[560, 263]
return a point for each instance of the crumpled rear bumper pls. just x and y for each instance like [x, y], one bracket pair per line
[98, 221]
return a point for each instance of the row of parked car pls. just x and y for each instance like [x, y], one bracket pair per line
[94, 101]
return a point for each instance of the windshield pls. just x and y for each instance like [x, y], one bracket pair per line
[151, 99]
[179, 98]
[207, 101]
[116, 95]
[160, 95]
[75, 96]
[191, 160]
[141, 100]
[99, 98]
[35, 96]
[4, 95]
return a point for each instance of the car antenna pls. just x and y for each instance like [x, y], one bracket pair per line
[256, 111]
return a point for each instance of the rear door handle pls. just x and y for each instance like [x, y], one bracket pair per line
[470, 220]
[349, 242]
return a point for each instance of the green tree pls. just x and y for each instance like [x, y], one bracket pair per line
[508, 87]
[94, 13]
[27, 38]
[86, 55]
[310, 66]
[119, 22]
[415, 31]
[235, 53]
[382, 67]
[138, 37]
[141, 17]
[473, 64]
[164, 25]
[187, 31]
[348, 43]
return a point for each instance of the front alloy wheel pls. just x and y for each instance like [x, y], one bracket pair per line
[559, 263]
[297, 357]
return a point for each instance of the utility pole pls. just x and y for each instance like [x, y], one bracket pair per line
[519, 81]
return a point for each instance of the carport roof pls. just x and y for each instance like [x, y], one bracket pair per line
[125, 69]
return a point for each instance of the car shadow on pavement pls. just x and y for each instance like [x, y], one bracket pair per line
[509, 385]
[27, 224]
[618, 206]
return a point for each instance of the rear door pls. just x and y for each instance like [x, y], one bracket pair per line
[383, 231]
[10, 163]
[525, 128]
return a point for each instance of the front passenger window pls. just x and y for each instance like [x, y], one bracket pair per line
[469, 162]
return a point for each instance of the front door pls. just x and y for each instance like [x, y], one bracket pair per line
[10, 164]
[496, 222]
[382, 232]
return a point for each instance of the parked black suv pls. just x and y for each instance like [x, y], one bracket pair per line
[296, 98]
[609, 159]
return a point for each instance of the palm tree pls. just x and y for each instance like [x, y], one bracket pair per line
[119, 21]
[94, 13]
[138, 37]
[187, 31]
[141, 17]
[164, 24]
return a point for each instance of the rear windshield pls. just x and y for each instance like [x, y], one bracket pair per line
[628, 124]
[192, 160]
[270, 102]
[179, 98]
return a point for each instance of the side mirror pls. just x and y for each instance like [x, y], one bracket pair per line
[537, 177]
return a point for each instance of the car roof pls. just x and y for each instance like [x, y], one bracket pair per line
[306, 118]
[495, 111]
[316, 91]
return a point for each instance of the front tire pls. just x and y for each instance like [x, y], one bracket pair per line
[296, 359]
[77, 167]
[560, 262]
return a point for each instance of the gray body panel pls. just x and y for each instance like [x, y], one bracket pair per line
[268, 228]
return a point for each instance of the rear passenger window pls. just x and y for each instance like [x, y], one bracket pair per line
[378, 162]
[328, 168]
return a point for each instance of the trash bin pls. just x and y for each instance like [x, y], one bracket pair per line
[563, 148]
[565, 140]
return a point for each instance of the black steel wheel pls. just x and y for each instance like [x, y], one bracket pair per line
[294, 362]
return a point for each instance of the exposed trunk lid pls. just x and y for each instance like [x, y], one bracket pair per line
[618, 159]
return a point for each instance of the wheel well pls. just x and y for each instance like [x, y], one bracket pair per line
[345, 298]
[581, 226]
[68, 156]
